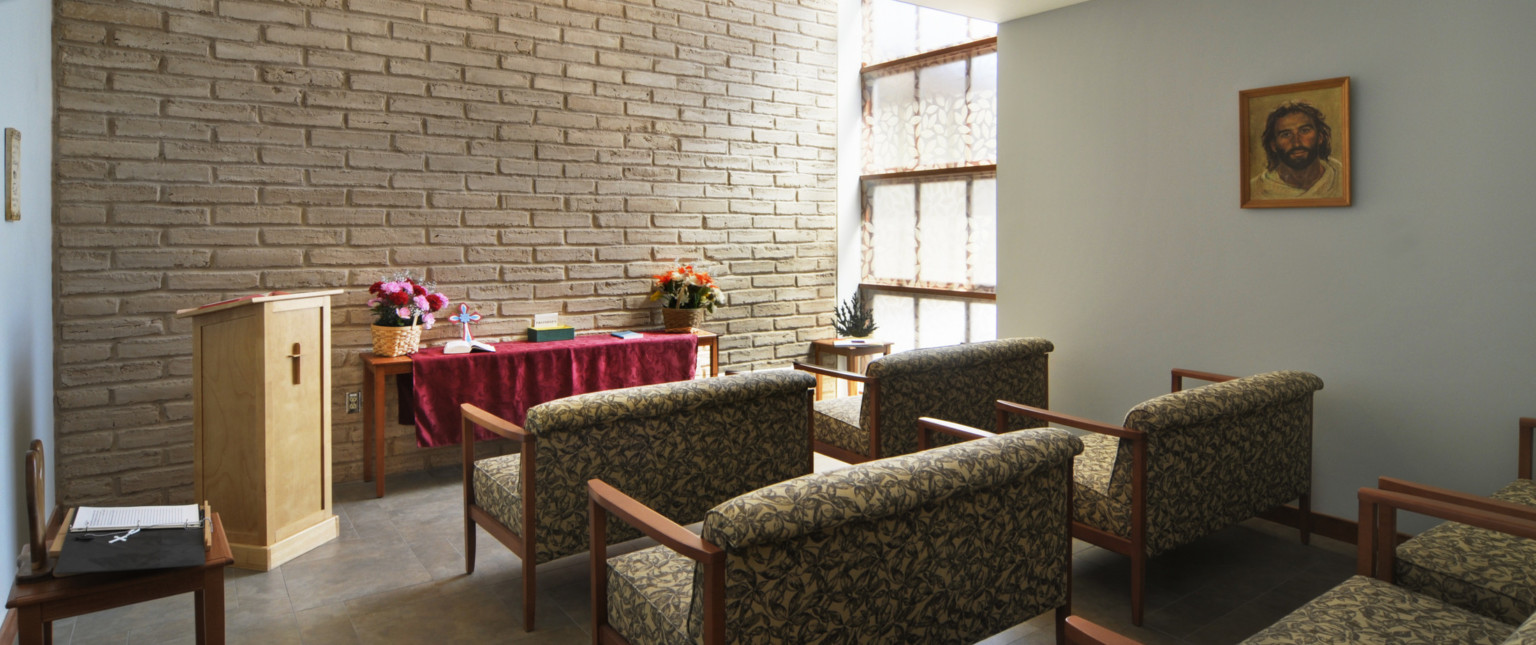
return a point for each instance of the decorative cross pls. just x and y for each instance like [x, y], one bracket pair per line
[464, 318]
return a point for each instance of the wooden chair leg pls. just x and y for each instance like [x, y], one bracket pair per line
[1062, 613]
[1304, 522]
[528, 591]
[469, 543]
[1138, 584]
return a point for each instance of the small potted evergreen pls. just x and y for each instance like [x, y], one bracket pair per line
[854, 318]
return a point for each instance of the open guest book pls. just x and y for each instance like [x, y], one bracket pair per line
[122, 518]
[132, 538]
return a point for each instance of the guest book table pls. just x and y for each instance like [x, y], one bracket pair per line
[517, 376]
[38, 604]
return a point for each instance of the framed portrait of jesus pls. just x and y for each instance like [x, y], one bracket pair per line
[1295, 144]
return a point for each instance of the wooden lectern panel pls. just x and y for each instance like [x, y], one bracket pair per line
[297, 454]
[229, 417]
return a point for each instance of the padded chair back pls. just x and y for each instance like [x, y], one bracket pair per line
[958, 383]
[679, 448]
[948, 545]
[1221, 453]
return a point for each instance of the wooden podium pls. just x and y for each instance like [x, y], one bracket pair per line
[261, 391]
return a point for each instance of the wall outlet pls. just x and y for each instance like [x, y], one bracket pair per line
[354, 402]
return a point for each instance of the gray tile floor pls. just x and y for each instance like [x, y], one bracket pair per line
[396, 575]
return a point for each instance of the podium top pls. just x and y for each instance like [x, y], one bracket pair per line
[252, 299]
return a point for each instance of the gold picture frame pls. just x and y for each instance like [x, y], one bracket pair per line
[1295, 145]
[12, 174]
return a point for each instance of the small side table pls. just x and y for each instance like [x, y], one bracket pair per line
[38, 604]
[858, 357]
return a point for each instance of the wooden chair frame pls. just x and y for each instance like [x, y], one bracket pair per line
[600, 498]
[1377, 545]
[1081, 631]
[1135, 546]
[1488, 504]
[871, 399]
[525, 546]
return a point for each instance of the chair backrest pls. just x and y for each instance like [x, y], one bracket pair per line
[947, 545]
[958, 383]
[679, 448]
[1221, 453]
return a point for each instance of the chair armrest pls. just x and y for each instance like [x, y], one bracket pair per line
[1456, 497]
[1081, 631]
[1009, 407]
[603, 497]
[1526, 426]
[1179, 374]
[926, 427]
[1377, 543]
[495, 424]
[835, 373]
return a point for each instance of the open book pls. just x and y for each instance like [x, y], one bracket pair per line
[122, 518]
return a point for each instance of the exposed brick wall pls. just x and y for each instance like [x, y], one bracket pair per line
[528, 155]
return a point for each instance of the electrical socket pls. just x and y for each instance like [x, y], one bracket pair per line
[354, 402]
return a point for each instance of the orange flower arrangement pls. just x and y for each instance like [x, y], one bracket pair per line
[685, 288]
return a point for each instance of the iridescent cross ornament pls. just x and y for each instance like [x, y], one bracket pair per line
[464, 318]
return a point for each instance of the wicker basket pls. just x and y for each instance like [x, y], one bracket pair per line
[396, 341]
[681, 320]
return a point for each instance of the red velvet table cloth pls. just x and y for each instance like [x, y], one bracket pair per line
[520, 375]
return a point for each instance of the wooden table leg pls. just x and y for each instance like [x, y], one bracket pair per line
[210, 608]
[368, 421]
[30, 626]
[376, 438]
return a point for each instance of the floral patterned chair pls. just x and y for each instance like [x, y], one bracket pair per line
[957, 383]
[1190, 463]
[942, 546]
[680, 448]
[1368, 608]
[1487, 572]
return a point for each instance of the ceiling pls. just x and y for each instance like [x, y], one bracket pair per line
[995, 10]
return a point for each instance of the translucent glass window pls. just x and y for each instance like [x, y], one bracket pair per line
[942, 229]
[939, 116]
[891, 142]
[894, 206]
[895, 315]
[984, 232]
[940, 321]
[903, 30]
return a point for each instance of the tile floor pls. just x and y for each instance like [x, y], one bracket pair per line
[396, 575]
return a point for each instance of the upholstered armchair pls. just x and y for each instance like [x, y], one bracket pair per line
[948, 545]
[1190, 463]
[679, 448]
[1369, 608]
[1484, 571]
[957, 383]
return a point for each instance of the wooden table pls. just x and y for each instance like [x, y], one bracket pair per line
[38, 604]
[377, 369]
[858, 357]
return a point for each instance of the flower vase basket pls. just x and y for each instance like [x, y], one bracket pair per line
[681, 320]
[396, 341]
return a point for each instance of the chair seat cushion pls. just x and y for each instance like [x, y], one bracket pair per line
[1365, 610]
[649, 592]
[837, 423]
[1095, 501]
[1488, 572]
[498, 489]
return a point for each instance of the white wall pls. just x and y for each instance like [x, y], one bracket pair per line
[1123, 242]
[26, 263]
